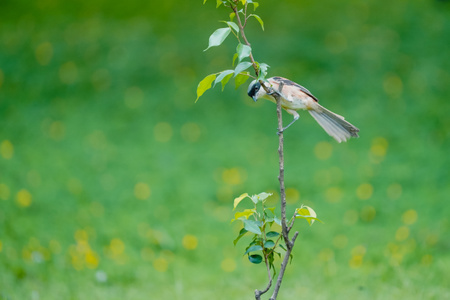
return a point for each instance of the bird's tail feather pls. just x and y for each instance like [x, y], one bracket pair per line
[334, 124]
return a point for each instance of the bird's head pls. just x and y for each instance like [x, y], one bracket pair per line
[255, 91]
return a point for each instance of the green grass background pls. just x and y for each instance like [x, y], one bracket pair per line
[115, 185]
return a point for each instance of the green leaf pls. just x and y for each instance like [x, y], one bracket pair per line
[269, 244]
[239, 199]
[246, 213]
[308, 218]
[234, 26]
[243, 51]
[306, 212]
[241, 234]
[255, 5]
[242, 67]
[241, 78]
[235, 56]
[259, 20]
[260, 197]
[218, 37]
[272, 209]
[232, 15]
[263, 71]
[204, 1]
[219, 2]
[255, 258]
[225, 80]
[272, 234]
[222, 75]
[278, 221]
[205, 85]
[252, 226]
[263, 196]
[253, 249]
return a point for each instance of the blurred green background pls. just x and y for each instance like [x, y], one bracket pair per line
[115, 185]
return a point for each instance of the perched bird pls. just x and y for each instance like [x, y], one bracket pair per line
[295, 97]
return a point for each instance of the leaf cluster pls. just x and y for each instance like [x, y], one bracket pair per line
[243, 58]
[258, 221]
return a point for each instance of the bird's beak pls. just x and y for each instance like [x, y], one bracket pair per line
[254, 98]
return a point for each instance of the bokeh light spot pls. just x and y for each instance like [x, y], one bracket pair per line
[68, 72]
[409, 217]
[81, 235]
[378, 149]
[364, 191]
[234, 176]
[292, 195]
[116, 246]
[97, 140]
[190, 132]
[356, 261]
[351, 217]
[393, 85]
[97, 209]
[4, 191]
[368, 213]
[335, 42]
[427, 259]
[228, 265]
[323, 150]
[394, 191]
[340, 241]
[160, 264]
[431, 239]
[221, 213]
[74, 186]
[101, 276]
[326, 254]
[359, 250]
[54, 246]
[147, 254]
[44, 53]
[163, 132]
[92, 259]
[402, 233]
[142, 191]
[23, 198]
[57, 130]
[333, 194]
[101, 79]
[134, 97]
[6, 149]
[190, 242]
[34, 178]
[358, 253]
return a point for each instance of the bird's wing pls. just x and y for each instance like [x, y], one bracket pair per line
[290, 88]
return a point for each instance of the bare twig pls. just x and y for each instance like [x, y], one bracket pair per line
[283, 267]
[241, 30]
[284, 228]
[259, 293]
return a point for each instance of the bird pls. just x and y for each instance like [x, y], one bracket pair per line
[295, 97]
